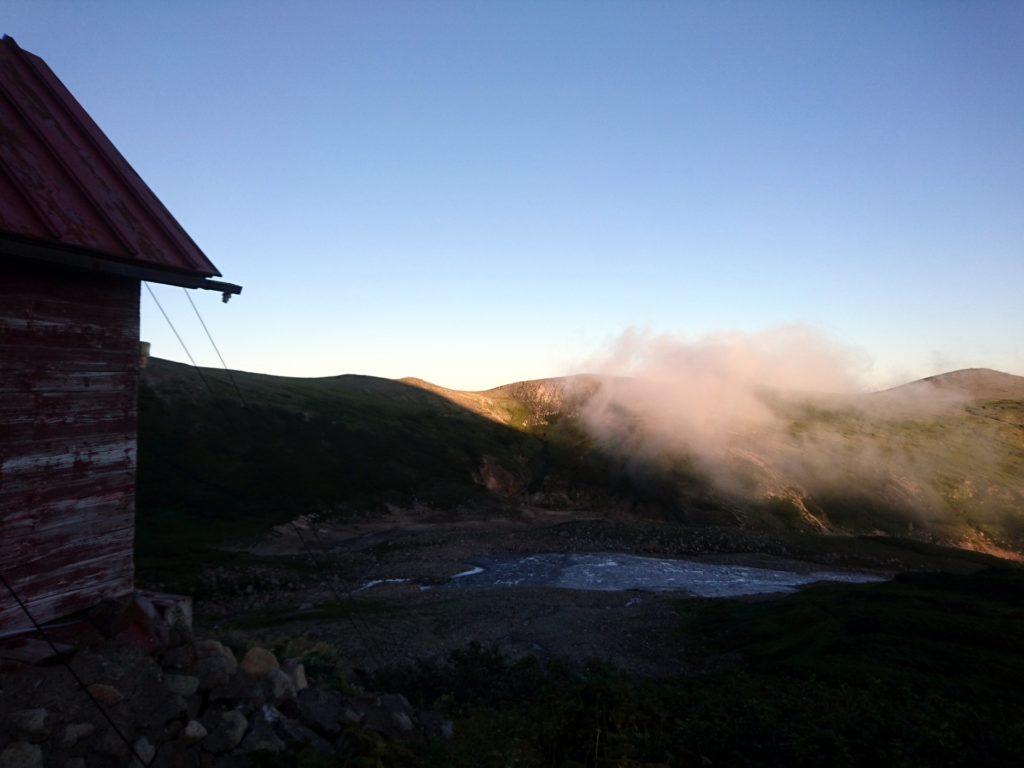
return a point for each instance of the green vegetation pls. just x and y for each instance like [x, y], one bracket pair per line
[214, 471]
[926, 670]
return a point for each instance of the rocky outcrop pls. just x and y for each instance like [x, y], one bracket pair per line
[191, 704]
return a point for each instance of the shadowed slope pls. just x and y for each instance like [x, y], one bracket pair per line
[353, 445]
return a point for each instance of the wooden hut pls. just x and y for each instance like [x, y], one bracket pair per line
[79, 231]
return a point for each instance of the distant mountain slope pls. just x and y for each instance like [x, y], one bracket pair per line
[532, 402]
[352, 445]
[967, 383]
[522, 403]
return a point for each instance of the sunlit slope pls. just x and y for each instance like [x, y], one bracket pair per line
[976, 384]
[352, 445]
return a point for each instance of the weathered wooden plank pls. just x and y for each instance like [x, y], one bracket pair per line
[99, 514]
[49, 361]
[68, 380]
[23, 436]
[18, 492]
[50, 606]
[46, 560]
[87, 455]
[57, 334]
[26, 408]
[19, 408]
[42, 304]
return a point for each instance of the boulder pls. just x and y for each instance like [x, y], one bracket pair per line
[29, 725]
[225, 730]
[278, 686]
[258, 662]
[75, 732]
[104, 693]
[352, 715]
[178, 754]
[391, 723]
[205, 648]
[182, 685]
[142, 753]
[321, 710]
[172, 730]
[294, 732]
[181, 657]
[21, 754]
[395, 702]
[109, 744]
[142, 625]
[194, 705]
[214, 671]
[240, 690]
[262, 736]
[173, 707]
[296, 670]
[435, 726]
[194, 732]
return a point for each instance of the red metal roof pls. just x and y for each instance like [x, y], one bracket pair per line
[63, 183]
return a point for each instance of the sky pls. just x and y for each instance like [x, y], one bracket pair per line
[477, 193]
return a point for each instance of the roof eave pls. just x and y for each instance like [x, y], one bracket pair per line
[91, 262]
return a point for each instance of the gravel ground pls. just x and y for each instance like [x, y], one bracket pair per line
[293, 586]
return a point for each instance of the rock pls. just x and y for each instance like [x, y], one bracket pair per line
[182, 657]
[194, 732]
[321, 710]
[142, 625]
[214, 671]
[240, 689]
[178, 754]
[193, 705]
[21, 754]
[183, 685]
[395, 702]
[435, 726]
[75, 732]
[394, 724]
[262, 736]
[226, 730]
[29, 725]
[294, 732]
[278, 686]
[297, 672]
[205, 648]
[111, 745]
[172, 730]
[352, 715]
[174, 707]
[178, 615]
[105, 694]
[75, 762]
[258, 662]
[142, 753]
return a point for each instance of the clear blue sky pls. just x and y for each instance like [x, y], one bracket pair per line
[482, 192]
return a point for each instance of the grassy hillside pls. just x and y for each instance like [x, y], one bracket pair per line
[348, 446]
[344, 446]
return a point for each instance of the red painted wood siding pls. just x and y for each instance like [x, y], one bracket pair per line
[69, 369]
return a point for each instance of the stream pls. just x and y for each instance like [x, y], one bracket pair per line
[619, 572]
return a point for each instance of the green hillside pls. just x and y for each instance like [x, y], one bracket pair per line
[349, 446]
[345, 446]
